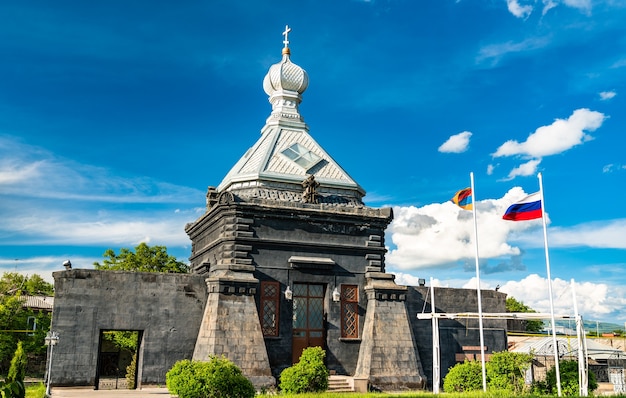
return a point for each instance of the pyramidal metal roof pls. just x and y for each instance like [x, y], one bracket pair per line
[286, 154]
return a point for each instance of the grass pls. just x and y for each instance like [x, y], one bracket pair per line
[415, 394]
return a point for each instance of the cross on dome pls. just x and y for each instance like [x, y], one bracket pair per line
[286, 34]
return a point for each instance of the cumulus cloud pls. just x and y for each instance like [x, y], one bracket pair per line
[607, 95]
[524, 169]
[558, 137]
[443, 234]
[457, 143]
[594, 300]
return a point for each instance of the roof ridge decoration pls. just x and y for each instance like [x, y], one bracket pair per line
[286, 155]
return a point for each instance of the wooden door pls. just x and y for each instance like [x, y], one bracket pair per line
[308, 318]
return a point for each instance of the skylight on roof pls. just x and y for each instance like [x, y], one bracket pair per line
[301, 156]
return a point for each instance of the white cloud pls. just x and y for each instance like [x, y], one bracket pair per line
[609, 168]
[607, 234]
[12, 172]
[520, 11]
[442, 233]
[548, 5]
[490, 169]
[558, 137]
[619, 64]
[457, 143]
[30, 171]
[44, 266]
[50, 200]
[583, 5]
[524, 169]
[607, 95]
[594, 300]
[495, 52]
[54, 225]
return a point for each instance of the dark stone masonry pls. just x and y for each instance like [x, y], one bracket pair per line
[285, 257]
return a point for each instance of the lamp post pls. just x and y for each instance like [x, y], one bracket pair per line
[51, 339]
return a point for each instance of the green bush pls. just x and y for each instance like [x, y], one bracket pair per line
[217, 378]
[505, 371]
[13, 389]
[464, 377]
[569, 379]
[17, 371]
[131, 370]
[308, 375]
[13, 386]
[37, 390]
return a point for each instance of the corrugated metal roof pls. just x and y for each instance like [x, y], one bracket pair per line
[38, 302]
[543, 346]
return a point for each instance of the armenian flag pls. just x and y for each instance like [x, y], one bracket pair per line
[463, 199]
[528, 208]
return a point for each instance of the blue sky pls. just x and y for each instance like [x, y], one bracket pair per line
[116, 116]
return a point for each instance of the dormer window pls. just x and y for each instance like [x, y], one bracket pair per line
[301, 156]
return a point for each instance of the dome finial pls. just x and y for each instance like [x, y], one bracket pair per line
[286, 41]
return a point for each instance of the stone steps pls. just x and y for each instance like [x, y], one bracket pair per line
[339, 384]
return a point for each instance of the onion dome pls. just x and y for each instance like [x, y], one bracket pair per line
[285, 75]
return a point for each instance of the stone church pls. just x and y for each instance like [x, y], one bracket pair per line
[285, 257]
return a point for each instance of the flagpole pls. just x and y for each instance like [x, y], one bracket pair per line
[545, 244]
[480, 306]
[583, 383]
[436, 352]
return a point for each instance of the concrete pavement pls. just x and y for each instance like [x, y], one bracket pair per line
[89, 392]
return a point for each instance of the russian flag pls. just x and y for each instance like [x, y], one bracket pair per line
[463, 199]
[528, 208]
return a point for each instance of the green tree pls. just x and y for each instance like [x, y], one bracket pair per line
[532, 325]
[144, 259]
[13, 283]
[14, 317]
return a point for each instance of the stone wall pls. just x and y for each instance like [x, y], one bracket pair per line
[166, 308]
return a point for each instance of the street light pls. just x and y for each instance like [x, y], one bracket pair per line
[51, 339]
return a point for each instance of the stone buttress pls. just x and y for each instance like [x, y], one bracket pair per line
[388, 356]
